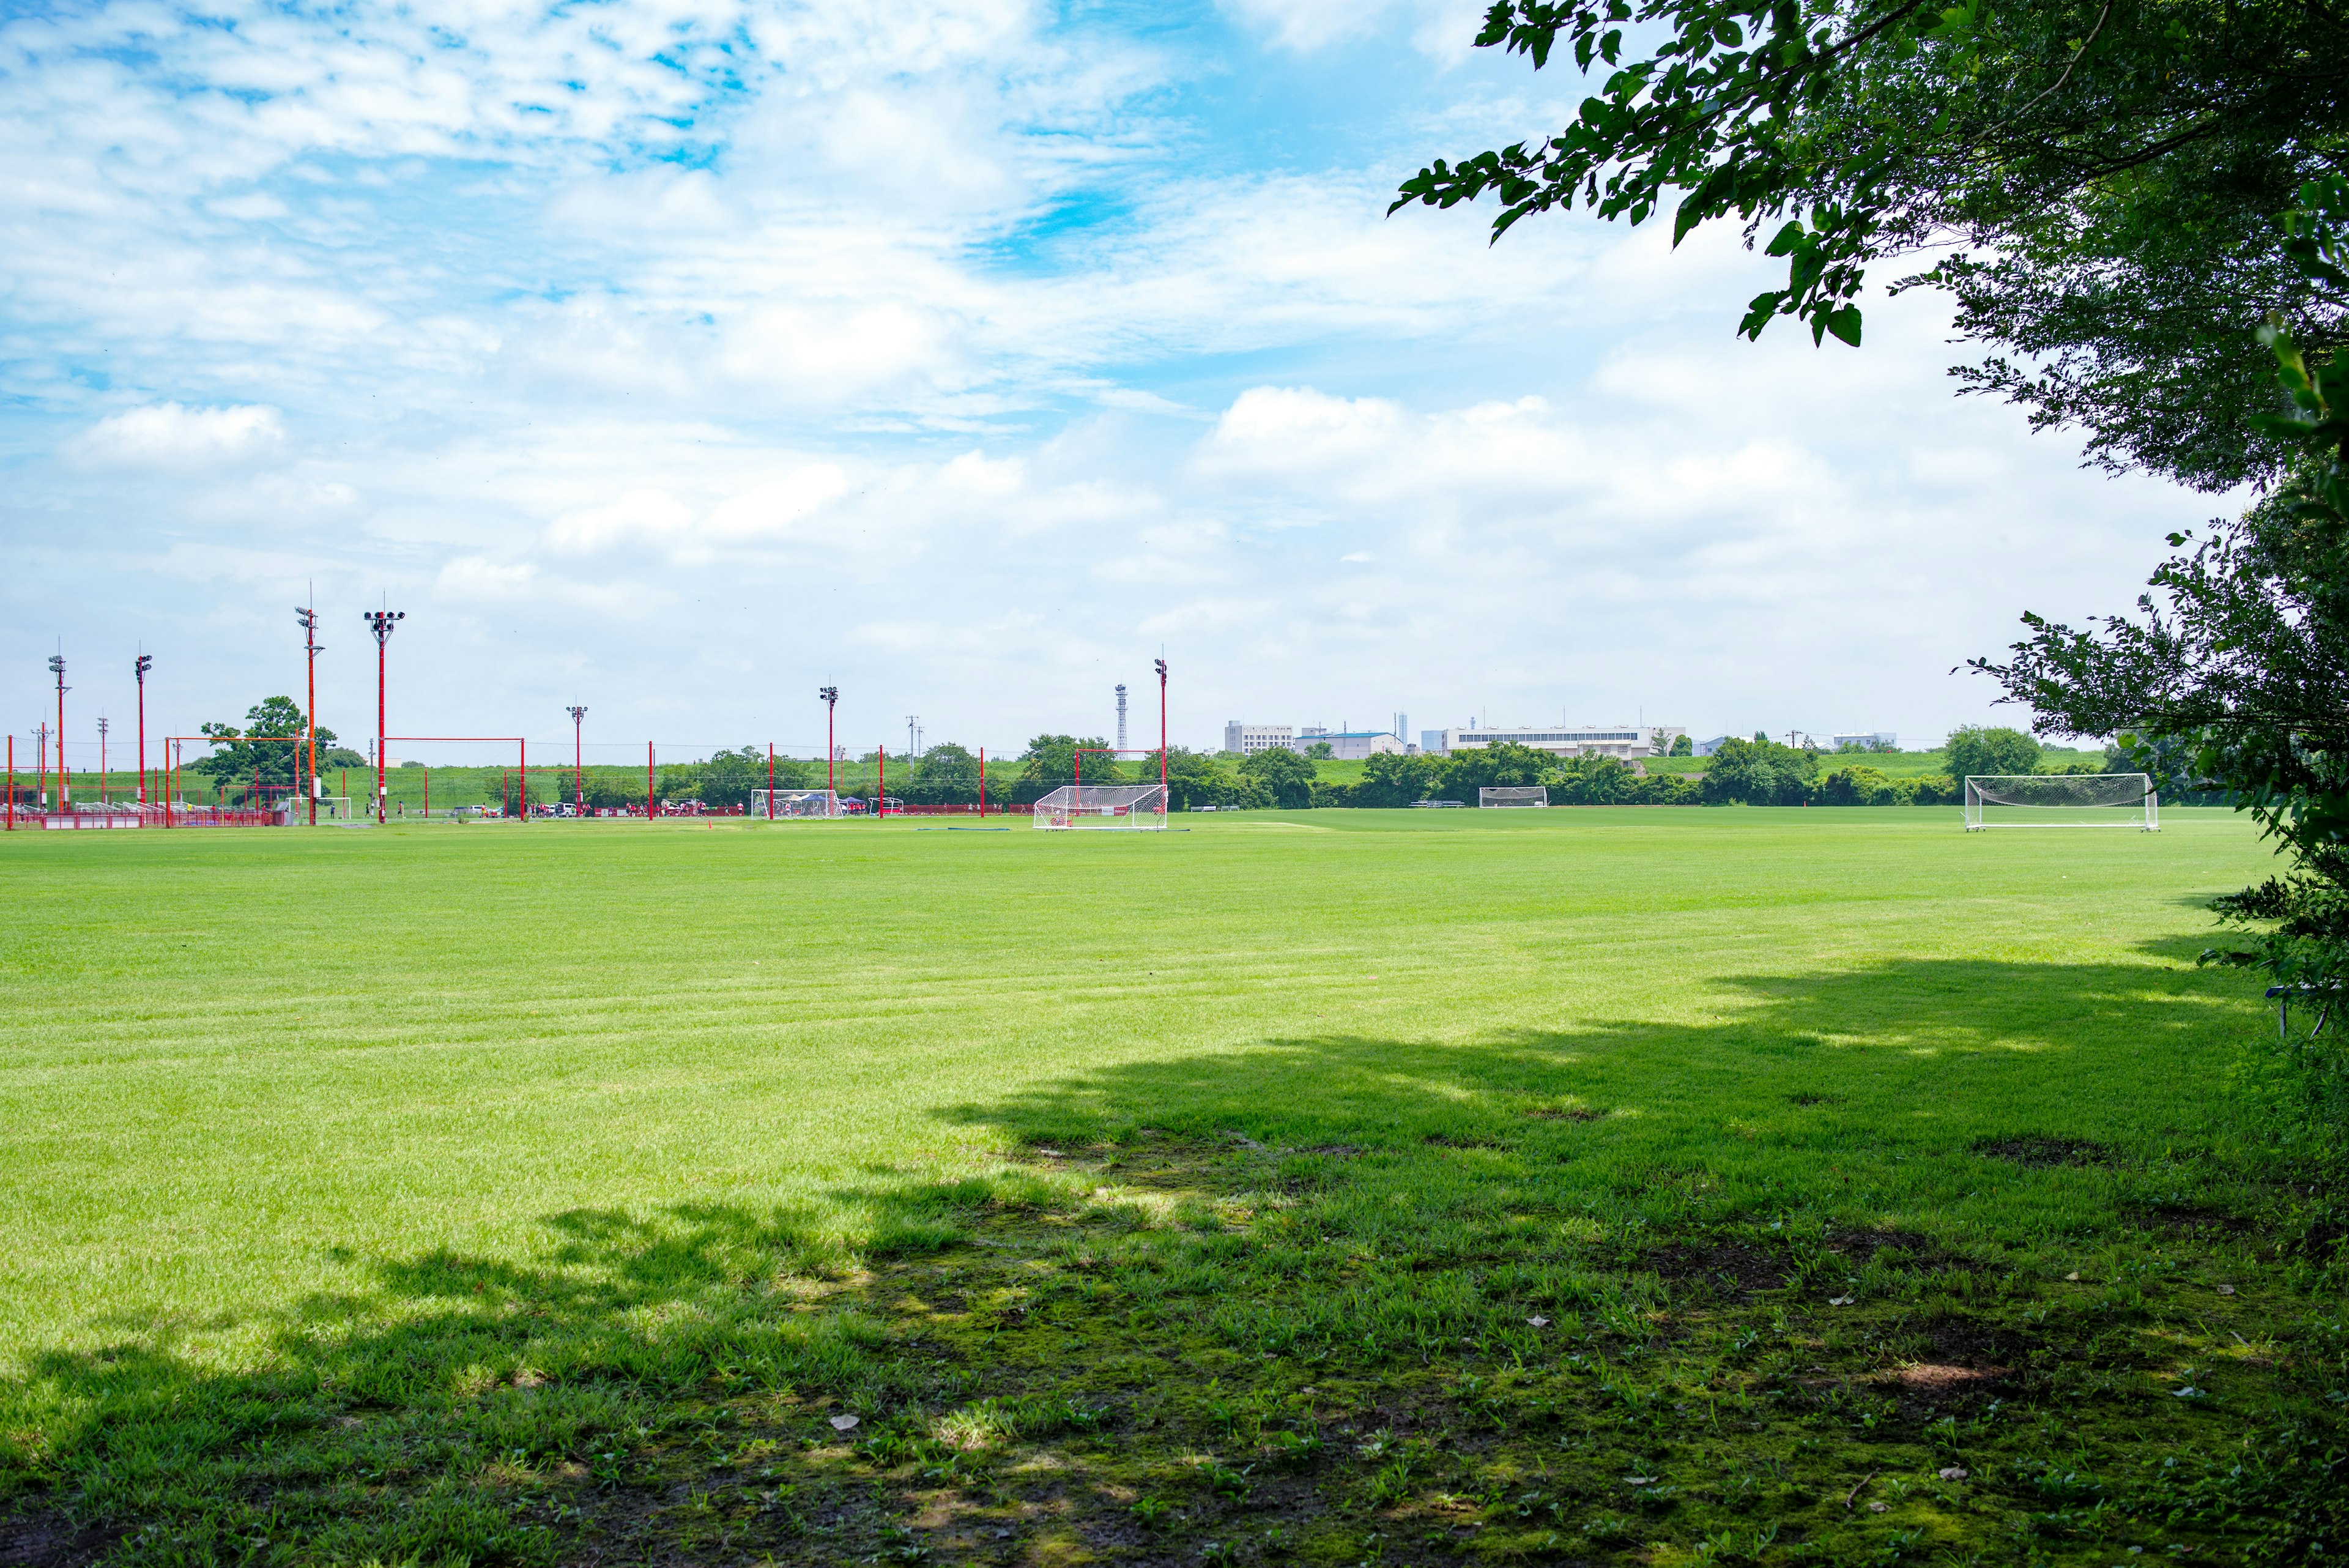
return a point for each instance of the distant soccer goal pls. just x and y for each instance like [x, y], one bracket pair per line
[1512, 795]
[1139, 807]
[796, 802]
[2062, 800]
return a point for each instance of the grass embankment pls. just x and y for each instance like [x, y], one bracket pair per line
[1891, 765]
[1666, 1187]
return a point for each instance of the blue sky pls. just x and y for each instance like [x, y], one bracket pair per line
[677, 358]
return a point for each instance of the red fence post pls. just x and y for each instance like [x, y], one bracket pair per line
[881, 786]
[770, 781]
[649, 781]
[982, 781]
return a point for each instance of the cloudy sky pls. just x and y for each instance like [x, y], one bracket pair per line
[677, 358]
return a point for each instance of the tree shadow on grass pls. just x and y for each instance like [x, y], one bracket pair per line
[1931, 1053]
[578, 1403]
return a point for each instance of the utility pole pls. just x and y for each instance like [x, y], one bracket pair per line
[381, 622]
[578, 754]
[831, 695]
[912, 735]
[140, 670]
[309, 622]
[57, 668]
[101, 759]
[41, 764]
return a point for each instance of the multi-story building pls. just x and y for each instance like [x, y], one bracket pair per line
[1878, 740]
[1250, 739]
[1622, 742]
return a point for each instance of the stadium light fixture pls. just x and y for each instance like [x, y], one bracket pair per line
[308, 620]
[578, 754]
[143, 664]
[380, 622]
[831, 695]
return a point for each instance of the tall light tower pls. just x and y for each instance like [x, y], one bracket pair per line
[101, 759]
[1162, 722]
[381, 623]
[831, 695]
[308, 618]
[578, 755]
[144, 664]
[57, 669]
[1121, 715]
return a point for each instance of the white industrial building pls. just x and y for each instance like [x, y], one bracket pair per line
[1350, 745]
[1622, 742]
[1250, 739]
[1883, 740]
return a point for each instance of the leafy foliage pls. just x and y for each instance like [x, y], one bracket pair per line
[1287, 776]
[2104, 168]
[2241, 661]
[1974, 749]
[276, 764]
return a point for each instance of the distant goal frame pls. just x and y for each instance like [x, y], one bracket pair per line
[797, 806]
[1512, 797]
[2139, 811]
[1102, 809]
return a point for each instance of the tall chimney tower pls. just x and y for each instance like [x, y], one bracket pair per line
[1121, 716]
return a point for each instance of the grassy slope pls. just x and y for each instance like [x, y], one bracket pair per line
[1892, 764]
[519, 1192]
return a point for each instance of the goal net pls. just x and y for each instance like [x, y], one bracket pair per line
[1512, 795]
[2062, 800]
[1135, 806]
[796, 802]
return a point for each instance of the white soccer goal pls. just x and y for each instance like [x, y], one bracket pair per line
[1141, 807]
[2062, 800]
[1512, 795]
[796, 803]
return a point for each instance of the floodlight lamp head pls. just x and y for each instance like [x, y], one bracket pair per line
[1161, 668]
[146, 662]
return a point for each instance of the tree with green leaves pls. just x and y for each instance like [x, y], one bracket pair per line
[1760, 773]
[1287, 776]
[2237, 663]
[2096, 176]
[1976, 750]
[1391, 779]
[278, 758]
[945, 775]
[1049, 762]
[1502, 763]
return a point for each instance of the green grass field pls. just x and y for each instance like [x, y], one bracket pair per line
[1666, 1187]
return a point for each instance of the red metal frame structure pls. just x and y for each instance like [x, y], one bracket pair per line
[139, 669]
[12, 783]
[652, 806]
[522, 764]
[880, 784]
[171, 767]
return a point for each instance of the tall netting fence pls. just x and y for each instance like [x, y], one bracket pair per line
[2062, 800]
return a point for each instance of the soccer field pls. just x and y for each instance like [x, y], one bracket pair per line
[1354, 1186]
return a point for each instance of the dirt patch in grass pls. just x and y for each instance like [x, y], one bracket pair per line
[52, 1541]
[1731, 1269]
[2197, 1221]
[2044, 1151]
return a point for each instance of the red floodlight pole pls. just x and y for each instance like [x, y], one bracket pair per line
[309, 623]
[649, 811]
[831, 695]
[57, 668]
[880, 786]
[982, 781]
[1162, 724]
[380, 622]
[140, 669]
[578, 765]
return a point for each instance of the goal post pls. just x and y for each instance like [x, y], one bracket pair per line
[797, 805]
[1495, 795]
[2062, 800]
[1131, 807]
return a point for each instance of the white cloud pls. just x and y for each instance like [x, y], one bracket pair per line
[174, 436]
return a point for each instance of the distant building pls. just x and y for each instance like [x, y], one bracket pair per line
[1622, 742]
[1706, 748]
[1349, 746]
[1431, 743]
[1883, 740]
[1250, 739]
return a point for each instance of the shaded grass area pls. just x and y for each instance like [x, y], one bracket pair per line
[1749, 1277]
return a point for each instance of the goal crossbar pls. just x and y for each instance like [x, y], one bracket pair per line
[2062, 800]
[1496, 796]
